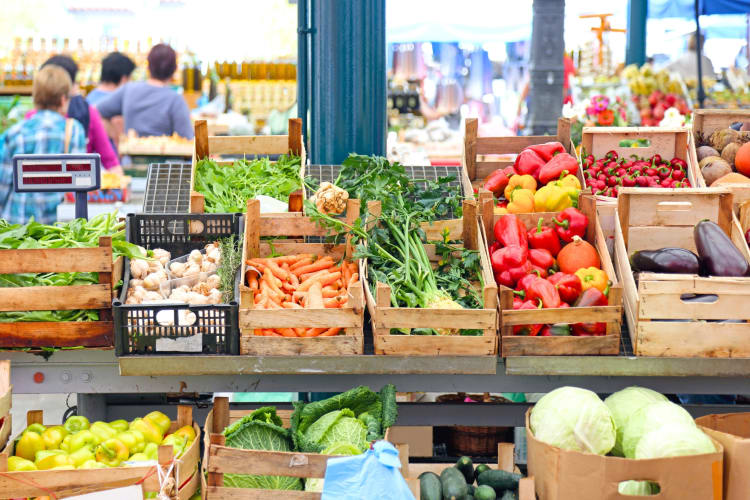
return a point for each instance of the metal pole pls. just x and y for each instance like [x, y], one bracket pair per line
[347, 66]
[303, 34]
[699, 52]
[635, 47]
[747, 45]
[546, 66]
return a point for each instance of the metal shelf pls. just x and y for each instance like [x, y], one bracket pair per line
[167, 188]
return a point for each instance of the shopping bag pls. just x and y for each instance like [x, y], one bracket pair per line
[374, 475]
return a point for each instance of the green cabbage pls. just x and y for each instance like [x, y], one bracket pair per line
[638, 488]
[674, 440]
[574, 419]
[316, 484]
[338, 427]
[648, 418]
[261, 430]
[624, 403]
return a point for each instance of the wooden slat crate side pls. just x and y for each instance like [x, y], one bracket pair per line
[6, 391]
[705, 122]
[45, 298]
[63, 334]
[683, 340]
[57, 260]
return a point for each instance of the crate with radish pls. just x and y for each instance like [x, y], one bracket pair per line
[558, 290]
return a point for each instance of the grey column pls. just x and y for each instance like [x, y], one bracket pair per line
[546, 66]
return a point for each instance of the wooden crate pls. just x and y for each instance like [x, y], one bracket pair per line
[661, 324]
[219, 459]
[385, 317]
[350, 318]
[64, 483]
[41, 298]
[6, 402]
[504, 462]
[668, 142]
[263, 145]
[517, 345]
[483, 155]
[706, 121]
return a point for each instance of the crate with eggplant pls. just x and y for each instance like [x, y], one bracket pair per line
[183, 296]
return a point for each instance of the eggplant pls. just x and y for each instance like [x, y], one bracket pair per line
[666, 260]
[717, 252]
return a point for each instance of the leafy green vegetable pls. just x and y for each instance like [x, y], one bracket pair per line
[227, 188]
[313, 424]
[261, 430]
[341, 449]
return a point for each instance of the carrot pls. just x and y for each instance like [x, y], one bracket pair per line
[345, 272]
[353, 280]
[277, 271]
[306, 261]
[272, 333]
[292, 259]
[331, 332]
[300, 331]
[308, 276]
[271, 280]
[315, 297]
[287, 332]
[258, 332]
[333, 303]
[313, 332]
[290, 305]
[318, 265]
[329, 292]
[293, 280]
[323, 279]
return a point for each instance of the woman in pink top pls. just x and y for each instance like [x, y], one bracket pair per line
[78, 108]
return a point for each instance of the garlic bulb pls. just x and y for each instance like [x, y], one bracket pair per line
[178, 269]
[153, 280]
[215, 296]
[138, 268]
[152, 296]
[196, 256]
[213, 281]
[192, 269]
[162, 255]
[208, 267]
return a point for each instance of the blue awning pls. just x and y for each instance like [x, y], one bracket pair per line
[659, 9]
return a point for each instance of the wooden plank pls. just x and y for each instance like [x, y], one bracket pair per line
[252, 228]
[295, 136]
[259, 462]
[214, 478]
[515, 345]
[603, 314]
[197, 203]
[470, 233]
[421, 345]
[56, 260]
[45, 298]
[684, 340]
[6, 396]
[222, 415]
[293, 318]
[296, 225]
[340, 345]
[201, 140]
[411, 317]
[52, 334]
[296, 201]
[224, 493]
[469, 148]
[249, 145]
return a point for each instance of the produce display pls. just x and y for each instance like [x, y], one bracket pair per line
[636, 423]
[724, 156]
[79, 444]
[542, 179]
[344, 424]
[605, 176]
[550, 268]
[464, 481]
[227, 188]
[717, 256]
[78, 233]
[297, 282]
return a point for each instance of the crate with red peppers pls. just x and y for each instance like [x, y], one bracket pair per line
[558, 290]
[542, 179]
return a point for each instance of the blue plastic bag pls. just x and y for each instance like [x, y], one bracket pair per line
[373, 475]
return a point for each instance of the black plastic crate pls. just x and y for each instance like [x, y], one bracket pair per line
[136, 328]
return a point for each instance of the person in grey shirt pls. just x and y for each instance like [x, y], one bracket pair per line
[151, 107]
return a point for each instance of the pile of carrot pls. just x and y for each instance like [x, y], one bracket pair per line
[303, 281]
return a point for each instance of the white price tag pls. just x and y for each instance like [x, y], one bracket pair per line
[134, 492]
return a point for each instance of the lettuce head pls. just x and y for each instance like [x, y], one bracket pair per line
[648, 418]
[623, 404]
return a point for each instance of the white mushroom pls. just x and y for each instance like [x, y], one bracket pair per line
[153, 280]
[192, 269]
[178, 268]
[138, 268]
[162, 255]
[196, 256]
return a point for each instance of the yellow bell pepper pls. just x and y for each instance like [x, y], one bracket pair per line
[520, 181]
[53, 437]
[551, 198]
[119, 425]
[521, 201]
[38, 428]
[138, 457]
[20, 464]
[134, 440]
[151, 451]
[593, 277]
[150, 432]
[92, 464]
[186, 431]
[500, 210]
[160, 420]
[102, 430]
[81, 456]
[179, 443]
[569, 180]
[29, 444]
[47, 459]
[81, 439]
[112, 452]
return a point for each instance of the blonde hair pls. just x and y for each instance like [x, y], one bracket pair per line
[51, 84]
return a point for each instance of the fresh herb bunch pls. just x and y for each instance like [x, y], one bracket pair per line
[227, 188]
[231, 259]
[369, 178]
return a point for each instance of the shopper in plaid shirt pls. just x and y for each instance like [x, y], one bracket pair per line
[47, 132]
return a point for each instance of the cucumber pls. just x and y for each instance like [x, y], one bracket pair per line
[429, 486]
[471, 488]
[454, 484]
[479, 469]
[509, 495]
[466, 467]
[499, 480]
[485, 492]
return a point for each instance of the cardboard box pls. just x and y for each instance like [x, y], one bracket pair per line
[570, 475]
[419, 439]
[732, 430]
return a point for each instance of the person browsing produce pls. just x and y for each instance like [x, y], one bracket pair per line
[116, 71]
[151, 108]
[46, 132]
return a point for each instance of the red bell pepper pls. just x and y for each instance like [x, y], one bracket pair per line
[528, 162]
[547, 150]
[589, 298]
[569, 223]
[568, 286]
[539, 271]
[544, 237]
[531, 330]
[560, 164]
[555, 330]
[509, 230]
[510, 264]
[541, 258]
[545, 291]
[524, 283]
[496, 183]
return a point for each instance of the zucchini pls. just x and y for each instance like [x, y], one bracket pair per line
[479, 469]
[429, 486]
[499, 480]
[509, 495]
[485, 492]
[471, 488]
[453, 484]
[466, 467]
